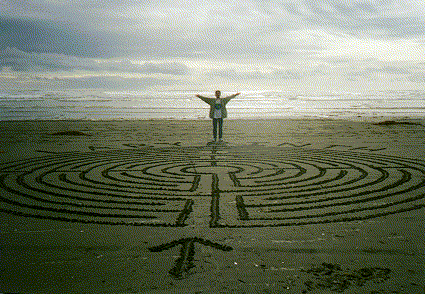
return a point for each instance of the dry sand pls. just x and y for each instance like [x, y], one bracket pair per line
[283, 206]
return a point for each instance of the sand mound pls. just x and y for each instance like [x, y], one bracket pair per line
[392, 123]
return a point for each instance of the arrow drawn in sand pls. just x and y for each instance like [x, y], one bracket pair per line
[187, 252]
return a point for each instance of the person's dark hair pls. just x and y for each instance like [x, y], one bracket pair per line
[217, 93]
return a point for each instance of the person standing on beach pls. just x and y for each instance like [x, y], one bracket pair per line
[218, 111]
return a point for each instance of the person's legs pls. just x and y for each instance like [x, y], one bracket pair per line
[215, 120]
[220, 128]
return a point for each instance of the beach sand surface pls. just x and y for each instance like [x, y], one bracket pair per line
[153, 206]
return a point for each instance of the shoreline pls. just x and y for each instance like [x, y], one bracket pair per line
[358, 118]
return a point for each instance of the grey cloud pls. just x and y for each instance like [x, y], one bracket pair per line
[417, 77]
[359, 17]
[288, 74]
[46, 36]
[235, 75]
[85, 40]
[235, 29]
[383, 70]
[43, 9]
[393, 70]
[133, 29]
[22, 61]
[292, 8]
[125, 65]
[256, 74]
[109, 82]
[86, 82]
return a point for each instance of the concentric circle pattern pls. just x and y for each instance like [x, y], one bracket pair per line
[214, 186]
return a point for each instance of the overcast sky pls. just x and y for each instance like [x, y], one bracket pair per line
[298, 45]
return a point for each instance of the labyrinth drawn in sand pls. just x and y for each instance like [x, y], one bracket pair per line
[214, 186]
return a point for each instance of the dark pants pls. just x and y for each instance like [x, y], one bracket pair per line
[219, 122]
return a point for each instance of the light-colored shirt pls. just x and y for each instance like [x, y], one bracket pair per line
[218, 109]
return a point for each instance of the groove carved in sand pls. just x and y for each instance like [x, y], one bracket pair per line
[213, 186]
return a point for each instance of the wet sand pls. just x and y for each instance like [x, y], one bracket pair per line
[282, 206]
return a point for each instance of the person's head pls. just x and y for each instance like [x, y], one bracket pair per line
[217, 94]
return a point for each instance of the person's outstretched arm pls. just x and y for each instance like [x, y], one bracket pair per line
[228, 98]
[205, 99]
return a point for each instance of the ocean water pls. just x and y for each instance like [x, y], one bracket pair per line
[116, 105]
